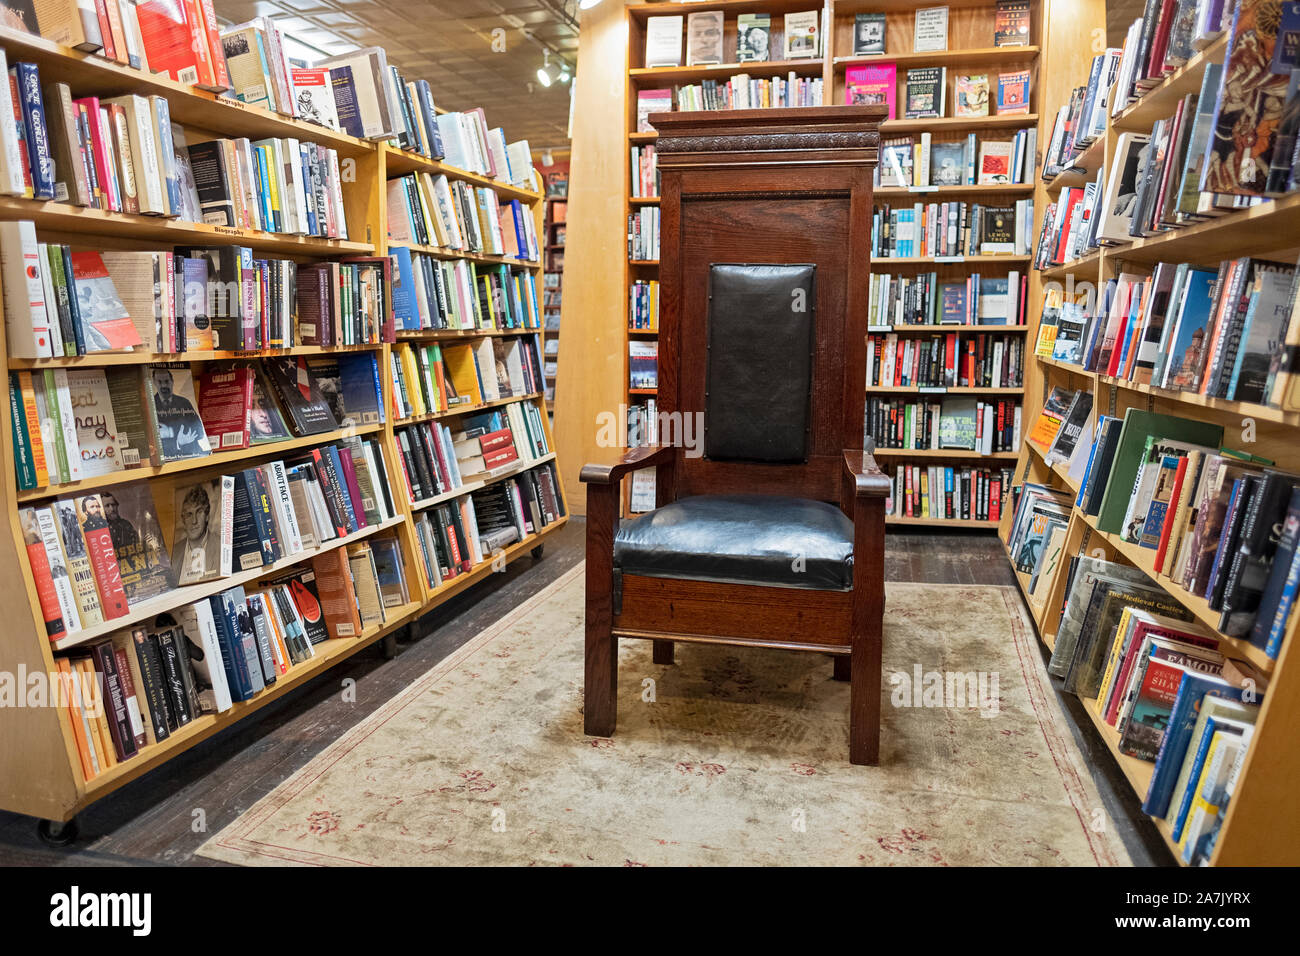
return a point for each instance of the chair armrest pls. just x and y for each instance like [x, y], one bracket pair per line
[608, 473]
[868, 480]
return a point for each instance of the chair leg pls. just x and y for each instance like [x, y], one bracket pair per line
[662, 652]
[843, 669]
[600, 694]
[864, 700]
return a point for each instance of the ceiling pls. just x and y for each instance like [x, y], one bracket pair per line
[455, 45]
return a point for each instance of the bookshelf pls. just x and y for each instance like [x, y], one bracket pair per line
[555, 178]
[971, 48]
[40, 770]
[1259, 828]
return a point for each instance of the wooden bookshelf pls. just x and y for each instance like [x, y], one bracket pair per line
[1257, 829]
[970, 49]
[40, 771]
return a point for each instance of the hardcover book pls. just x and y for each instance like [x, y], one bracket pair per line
[802, 35]
[931, 30]
[663, 41]
[97, 432]
[176, 429]
[926, 89]
[704, 38]
[1013, 92]
[306, 409]
[1011, 23]
[105, 322]
[971, 92]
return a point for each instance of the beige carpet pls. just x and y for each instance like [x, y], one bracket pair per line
[732, 756]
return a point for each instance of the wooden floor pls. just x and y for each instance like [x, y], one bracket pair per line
[166, 815]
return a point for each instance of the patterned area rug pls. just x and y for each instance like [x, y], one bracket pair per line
[730, 756]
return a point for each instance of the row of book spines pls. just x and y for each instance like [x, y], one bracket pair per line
[954, 494]
[643, 233]
[982, 361]
[452, 536]
[911, 161]
[643, 305]
[137, 688]
[426, 383]
[911, 425]
[433, 211]
[791, 91]
[950, 229]
[1083, 118]
[645, 171]
[1241, 358]
[435, 460]
[923, 300]
[459, 294]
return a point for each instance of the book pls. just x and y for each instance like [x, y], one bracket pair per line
[926, 92]
[663, 41]
[753, 39]
[994, 163]
[104, 320]
[803, 35]
[144, 566]
[176, 428]
[871, 84]
[202, 542]
[1013, 92]
[313, 96]
[296, 391]
[704, 38]
[1011, 22]
[868, 34]
[971, 94]
[930, 30]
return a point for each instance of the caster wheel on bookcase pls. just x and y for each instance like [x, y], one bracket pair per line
[537, 552]
[389, 644]
[55, 833]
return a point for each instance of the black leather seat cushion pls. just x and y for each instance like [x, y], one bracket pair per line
[741, 539]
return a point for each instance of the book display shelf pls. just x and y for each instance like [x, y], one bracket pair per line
[1259, 826]
[556, 186]
[40, 767]
[967, 480]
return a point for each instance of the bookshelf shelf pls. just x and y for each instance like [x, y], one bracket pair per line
[723, 71]
[101, 359]
[45, 776]
[643, 200]
[1162, 100]
[439, 253]
[438, 335]
[925, 193]
[491, 479]
[944, 453]
[943, 125]
[398, 162]
[76, 221]
[217, 460]
[459, 410]
[938, 390]
[916, 522]
[92, 75]
[1254, 831]
[944, 329]
[973, 56]
[188, 594]
[888, 264]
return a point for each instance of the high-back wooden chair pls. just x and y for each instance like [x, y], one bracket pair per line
[764, 266]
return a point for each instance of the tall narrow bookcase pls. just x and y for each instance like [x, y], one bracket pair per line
[970, 49]
[40, 771]
[1261, 826]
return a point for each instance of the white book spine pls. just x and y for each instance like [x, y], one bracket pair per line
[11, 159]
[58, 570]
[26, 320]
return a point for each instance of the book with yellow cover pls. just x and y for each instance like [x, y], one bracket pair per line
[462, 369]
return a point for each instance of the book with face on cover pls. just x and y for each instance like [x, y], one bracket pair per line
[704, 38]
[307, 411]
[142, 559]
[202, 541]
[753, 38]
[176, 429]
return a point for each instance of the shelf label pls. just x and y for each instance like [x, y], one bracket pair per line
[932, 389]
[880, 328]
[922, 189]
[949, 258]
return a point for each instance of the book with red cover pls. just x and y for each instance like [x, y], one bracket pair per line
[39, 561]
[500, 457]
[212, 37]
[106, 323]
[226, 404]
[103, 555]
[1071, 199]
[168, 39]
[1141, 631]
[119, 724]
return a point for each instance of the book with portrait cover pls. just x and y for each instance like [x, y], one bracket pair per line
[265, 423]
[704, 38]
[142, 560]
[753, 38]
[202, 542]
[176, 430]
[103, 557]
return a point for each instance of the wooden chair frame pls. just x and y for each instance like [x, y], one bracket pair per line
[812, 167]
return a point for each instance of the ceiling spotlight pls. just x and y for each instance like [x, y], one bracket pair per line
[544, 71]
[565, 75]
